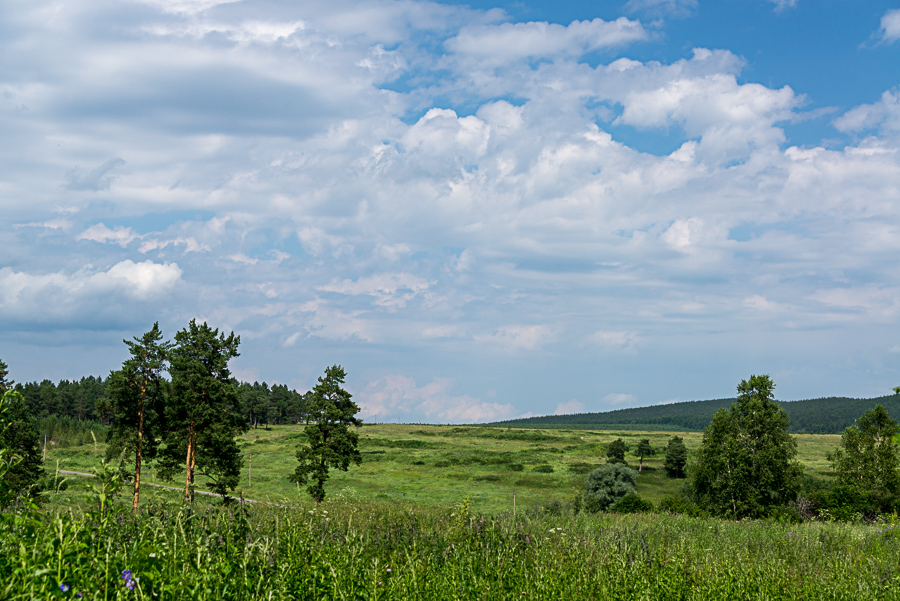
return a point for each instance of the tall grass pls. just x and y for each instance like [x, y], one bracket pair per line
[351, 550]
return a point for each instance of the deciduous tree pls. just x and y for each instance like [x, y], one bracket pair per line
[331, 443]
[616, 450]
[137, 394]
[868, 457]
[203, 413]
[746, 464]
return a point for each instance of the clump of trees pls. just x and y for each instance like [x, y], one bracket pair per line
[676, 457]
[746, 464]
[615, 452]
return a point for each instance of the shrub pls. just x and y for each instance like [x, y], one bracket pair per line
[680, 505]
[606, 485]
[632, 503]
[544, 469]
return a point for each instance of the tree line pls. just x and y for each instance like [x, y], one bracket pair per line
[829, 415]
[187, 423]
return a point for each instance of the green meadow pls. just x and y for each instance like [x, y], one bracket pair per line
[437, 466]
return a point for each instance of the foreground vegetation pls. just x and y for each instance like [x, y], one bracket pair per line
[344, 549]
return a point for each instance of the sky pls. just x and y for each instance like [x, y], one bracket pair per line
[481, 211]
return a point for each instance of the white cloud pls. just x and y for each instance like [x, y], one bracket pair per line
[100, 233]
[391, 290]
[620, 399]
[398, 398]
[498, 44]
[781, 5]
[519, 337]
[884, 114]
[890, 26]
[662, 8]
[616, 340]
[569, 408]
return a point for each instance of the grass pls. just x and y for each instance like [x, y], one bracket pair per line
[429, 515]
[351, 549]
[439, 465]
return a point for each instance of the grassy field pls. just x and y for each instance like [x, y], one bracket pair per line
[441, 465]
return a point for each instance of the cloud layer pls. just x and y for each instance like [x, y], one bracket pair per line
[432, 193]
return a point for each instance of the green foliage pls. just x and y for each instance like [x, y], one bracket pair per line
[203, 414]
[4, 383]
[868, 458]
[746, 464]
[137, 394]
[644, 449]
[331, 442]
[616, 450]
[20, 452]
[680, 505]
[676, 457]
[607, 484]
[632, 503]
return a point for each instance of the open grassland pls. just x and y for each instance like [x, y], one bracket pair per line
[359, 550]
[441, 465]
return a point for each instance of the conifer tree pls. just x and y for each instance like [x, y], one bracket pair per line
[330, 441]
[20, 451]
[203, 414]
[137, 397]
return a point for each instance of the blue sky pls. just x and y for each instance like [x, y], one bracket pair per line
[482, 211]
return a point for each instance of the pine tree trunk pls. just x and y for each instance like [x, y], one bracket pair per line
[138, 451]
[189, 467]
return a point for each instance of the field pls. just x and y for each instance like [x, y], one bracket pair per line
[429, 515]
[441, 465]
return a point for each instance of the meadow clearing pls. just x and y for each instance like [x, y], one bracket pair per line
[429, 515]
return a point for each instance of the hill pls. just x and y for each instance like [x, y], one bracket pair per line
[815, 416]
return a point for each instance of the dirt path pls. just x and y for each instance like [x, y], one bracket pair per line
[198, 492]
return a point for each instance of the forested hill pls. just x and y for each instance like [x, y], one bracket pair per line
[815, 416]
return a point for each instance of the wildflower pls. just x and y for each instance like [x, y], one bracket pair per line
[64, 587]
[389, 570]
[129, 581]
[379, 583]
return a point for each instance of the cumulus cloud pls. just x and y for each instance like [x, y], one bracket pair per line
[884, 115]
[890, 26]
[781, 5]
[399, 398]
[616, 340]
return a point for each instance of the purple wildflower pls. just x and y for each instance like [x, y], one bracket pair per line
[64, 587]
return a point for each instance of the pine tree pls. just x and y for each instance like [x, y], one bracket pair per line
[330, 441]
[643, 449]
[203, 414]
[20, 450]
[137, 395]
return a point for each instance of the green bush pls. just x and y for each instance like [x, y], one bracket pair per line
[543, 469]
[680, 505]
[606, 485]
[632, 503]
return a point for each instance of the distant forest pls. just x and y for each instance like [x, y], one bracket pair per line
[85, 400]
[814, 416]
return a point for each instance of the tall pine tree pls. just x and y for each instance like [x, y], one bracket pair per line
[203, 414]
[137, 395]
